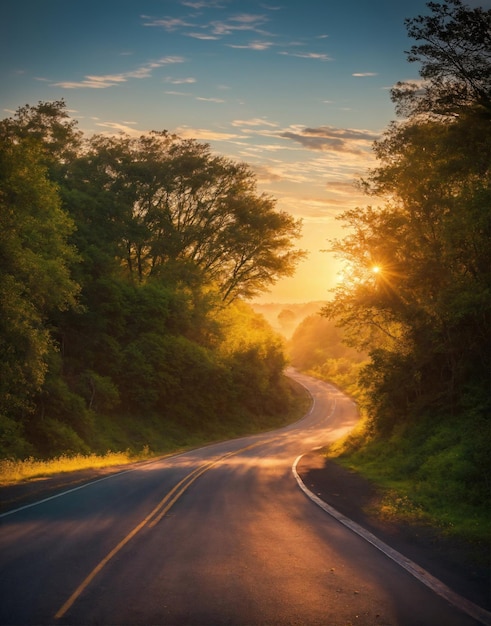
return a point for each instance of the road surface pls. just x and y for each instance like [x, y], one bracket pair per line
[219, 535]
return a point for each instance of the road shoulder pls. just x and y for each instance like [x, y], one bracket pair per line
[455, 563]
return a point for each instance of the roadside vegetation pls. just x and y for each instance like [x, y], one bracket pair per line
[416, 292]
[14, 470]
[317, 348]
[125, 269]
[17, 470]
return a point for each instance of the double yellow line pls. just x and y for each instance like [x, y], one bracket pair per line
[151, 520]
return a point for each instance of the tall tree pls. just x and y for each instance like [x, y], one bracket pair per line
[454, 50]
[49, 125]
[187, 212]
[420, 288]
[35, 262]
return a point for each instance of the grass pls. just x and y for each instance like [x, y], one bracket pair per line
[422, 482]
[13, 471]
[170, 441]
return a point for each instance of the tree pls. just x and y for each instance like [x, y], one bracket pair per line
[120, 260]
[456, 61]
[51, 128]
[35, 262]
[189, 214]
[419, 292]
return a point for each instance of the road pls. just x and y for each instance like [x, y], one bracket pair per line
[219, 535]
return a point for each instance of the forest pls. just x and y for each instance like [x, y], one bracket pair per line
[416, 291]
[125, 269]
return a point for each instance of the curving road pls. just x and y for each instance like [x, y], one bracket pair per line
[215, 536]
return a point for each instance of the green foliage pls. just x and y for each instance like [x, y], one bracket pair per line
[35, 261]
[435, 469]
[179, 212]
[317, 346]
[424, 314]
[122, 264]
[317, 339]
[54, 435]
[13, 442]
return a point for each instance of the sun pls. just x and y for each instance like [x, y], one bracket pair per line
[376, 269]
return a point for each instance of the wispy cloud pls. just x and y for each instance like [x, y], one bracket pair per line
[167, 23]
[204, 134]
[256, 121]
[202, 99]
[180, 81]
[331, 139]
[308, 55]
[177, 93]
[203, 36]
[241, 22]
[253, 45]
[116, 128]
[110, 80]
[266, 174]
[361, 74]
[203, 4]
[213, 29]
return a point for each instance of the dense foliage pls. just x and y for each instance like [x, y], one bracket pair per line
[417, 292]
[317, 346]
[124, 268]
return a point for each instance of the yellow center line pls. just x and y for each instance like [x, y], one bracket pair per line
[151, 519]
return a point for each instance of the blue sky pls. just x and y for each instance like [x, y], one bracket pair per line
[298, 89]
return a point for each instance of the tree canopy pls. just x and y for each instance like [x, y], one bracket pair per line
[417, 293]
[454, 49]
[118, 257]
[35, 261]
[183, 208]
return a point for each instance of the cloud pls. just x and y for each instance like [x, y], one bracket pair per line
[341, 187]
[214, 29]
[265, 174]
[169, 24]
[331, 139]
[241, 22]
[202, 99]
[203, 4]
[308, 55]
[177, 93]
[116, 128]
[253, 45]
[180, 81]
[257, 121]
[204, 134]
[358, 74]
[203, 36]
[110, 80]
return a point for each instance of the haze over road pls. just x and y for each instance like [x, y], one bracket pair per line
[219, 535]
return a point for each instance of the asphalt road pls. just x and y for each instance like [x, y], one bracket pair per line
[220, 535]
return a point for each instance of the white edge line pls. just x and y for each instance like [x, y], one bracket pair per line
[473, 610]
[64, 493]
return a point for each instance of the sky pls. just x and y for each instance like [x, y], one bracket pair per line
[298, 89]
